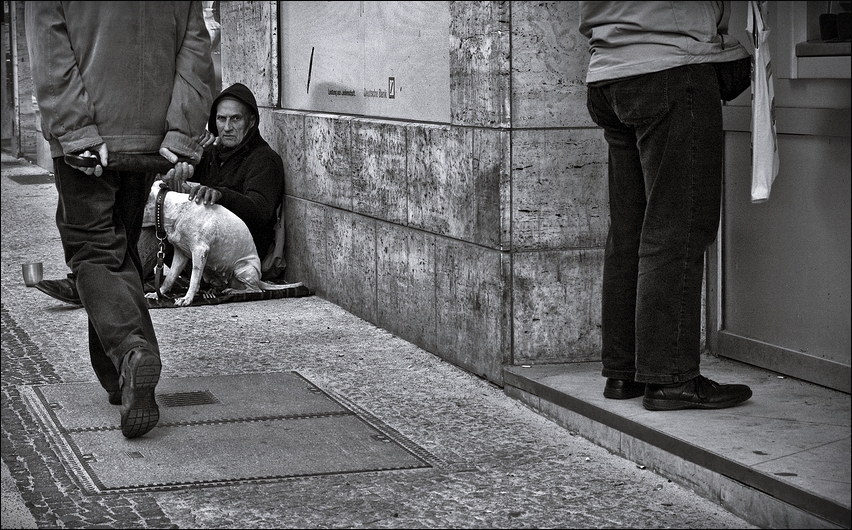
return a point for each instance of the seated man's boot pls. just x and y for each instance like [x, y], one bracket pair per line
[140, 372]
[64, 290]
[697, 393]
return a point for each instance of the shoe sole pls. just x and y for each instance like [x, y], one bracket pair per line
[670, 404]
[619, 394]
[142, 414]
[58, 297]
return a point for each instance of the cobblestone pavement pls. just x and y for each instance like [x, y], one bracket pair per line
[511, 467]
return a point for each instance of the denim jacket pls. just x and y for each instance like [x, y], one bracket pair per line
[633, 38]
[137, 76]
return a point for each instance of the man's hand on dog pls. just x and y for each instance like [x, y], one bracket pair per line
[204, 194]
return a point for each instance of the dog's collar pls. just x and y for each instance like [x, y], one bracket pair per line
[158, 211]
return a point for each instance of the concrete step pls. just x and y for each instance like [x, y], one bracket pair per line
[780, 460]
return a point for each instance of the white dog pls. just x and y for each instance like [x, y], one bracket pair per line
[219, 243]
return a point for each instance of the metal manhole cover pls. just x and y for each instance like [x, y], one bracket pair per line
[256, 427]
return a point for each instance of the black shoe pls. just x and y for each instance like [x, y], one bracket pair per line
[140, 372]
[115, 397]
[623, 388]
[64, 290]
[697, 393]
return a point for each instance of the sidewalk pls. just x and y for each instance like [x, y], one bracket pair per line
[478, 457]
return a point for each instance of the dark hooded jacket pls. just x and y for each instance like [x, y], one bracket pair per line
[249, 176]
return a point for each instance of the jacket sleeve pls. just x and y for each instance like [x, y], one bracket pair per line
[67, 113]
[192, 93]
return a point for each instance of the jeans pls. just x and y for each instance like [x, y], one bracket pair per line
[666, 150]
[99, 221]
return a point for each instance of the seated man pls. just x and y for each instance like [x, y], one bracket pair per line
[238, 170]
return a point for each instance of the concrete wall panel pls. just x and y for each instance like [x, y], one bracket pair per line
[559, 189]
[492, 188]
[305, 245]
[479, 63]
[266, 125]
[406, 283]
[249, 45]
[557, 313]
[379, 186]
[289, 141]
[351, 273]
[457, 178]
[439, 178]
[473, 307]
[28, 127]
[549, 63]
[328, 175]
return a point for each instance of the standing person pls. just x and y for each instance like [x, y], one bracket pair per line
[134, 77]
[653, 87]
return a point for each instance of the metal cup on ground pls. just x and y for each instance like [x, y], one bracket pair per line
[32, 273]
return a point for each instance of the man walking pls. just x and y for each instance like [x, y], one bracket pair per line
[131, 77]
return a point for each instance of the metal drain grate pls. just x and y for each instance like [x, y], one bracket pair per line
[33, 179]
[187, 399]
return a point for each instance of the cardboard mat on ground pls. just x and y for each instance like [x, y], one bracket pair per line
[214, 296]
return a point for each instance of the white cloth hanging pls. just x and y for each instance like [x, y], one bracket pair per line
[764, 140]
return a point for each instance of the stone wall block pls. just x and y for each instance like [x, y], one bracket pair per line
[266, 125]
[305, 244]
[249, 46]
[405, 264]
[289, 141]
[479, 64]
[351, 273]
[378, 170]
[559, 189]
[473, 307]
[492, 180]
[557, 309]
[549, 64]
[328, 175]
[426, 169]
[28, 127]
[457, 178]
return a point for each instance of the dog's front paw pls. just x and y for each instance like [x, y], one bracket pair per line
[152, 296]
